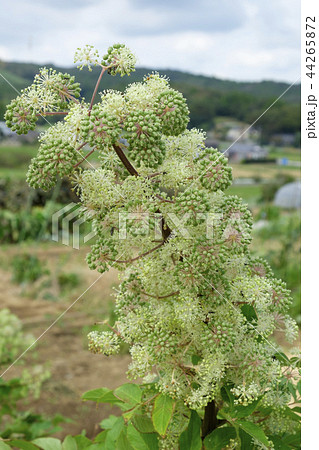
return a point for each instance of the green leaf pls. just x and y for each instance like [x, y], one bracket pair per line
[195, 359]
[151, 440]
[291, 414]
[292, 439]
[108, 423]
[281, 357]
[69, 443]
[101, 436]
[129, 393]
[227, 396]
[292, 390]
[190, 439]
[122, 442]
[117, 428]
[135, 439]
[299, 386]
[279, 445]
[246, 440]
[162, 413]
[110, 443]
[82, 441]
[131, 412]
[48, 443]
[24, 445]
[100, 395]
[99, 446]
[219, 438]
[143, 423]
[4, 446]
[297, 409]
[245, 411]
[249, 312]
[254, 430]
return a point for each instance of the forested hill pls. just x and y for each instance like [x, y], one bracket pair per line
[208, 97]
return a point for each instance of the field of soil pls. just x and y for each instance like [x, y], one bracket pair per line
[63, 348]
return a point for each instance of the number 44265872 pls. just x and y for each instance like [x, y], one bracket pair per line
[310, 45]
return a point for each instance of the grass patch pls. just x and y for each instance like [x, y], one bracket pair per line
[250, 193]
[17, 156]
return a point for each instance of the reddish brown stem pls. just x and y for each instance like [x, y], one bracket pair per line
[160, 296]
[126, 261]
[52, 113]
[82, 160]
[96, 88]
[125, 161]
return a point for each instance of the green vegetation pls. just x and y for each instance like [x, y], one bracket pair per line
[27, 268]
[208, 97]
[15, 423]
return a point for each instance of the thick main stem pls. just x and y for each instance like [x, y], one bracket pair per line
[210, 421]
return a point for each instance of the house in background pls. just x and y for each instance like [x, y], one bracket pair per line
[248, 151]
[6, 133]
[15, 139]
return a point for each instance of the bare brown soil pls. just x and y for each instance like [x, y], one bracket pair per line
[74, 370]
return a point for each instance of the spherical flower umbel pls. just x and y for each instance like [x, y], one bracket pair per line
[119, 59]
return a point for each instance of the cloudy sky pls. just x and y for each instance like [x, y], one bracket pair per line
[232, 39]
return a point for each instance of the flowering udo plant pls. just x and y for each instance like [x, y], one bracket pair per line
[196, 309]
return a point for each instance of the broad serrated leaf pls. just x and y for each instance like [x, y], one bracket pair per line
[253, 430]
[219, 438]
[101, 436]
[151, 440]
[48, 443]
[24, 445]
[162, 413]
[101, 395]
[117, 428]
[190, 439]
[69, 443]
[135, 439]
[129, 393]
[122, 442]
[143, 423]
[82, 441]
[107, 424]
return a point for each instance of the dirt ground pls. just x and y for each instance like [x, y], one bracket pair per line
[74, 370]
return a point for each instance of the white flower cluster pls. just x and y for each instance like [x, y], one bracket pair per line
[194, 306]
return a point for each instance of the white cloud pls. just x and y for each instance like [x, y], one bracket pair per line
[243, 40]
